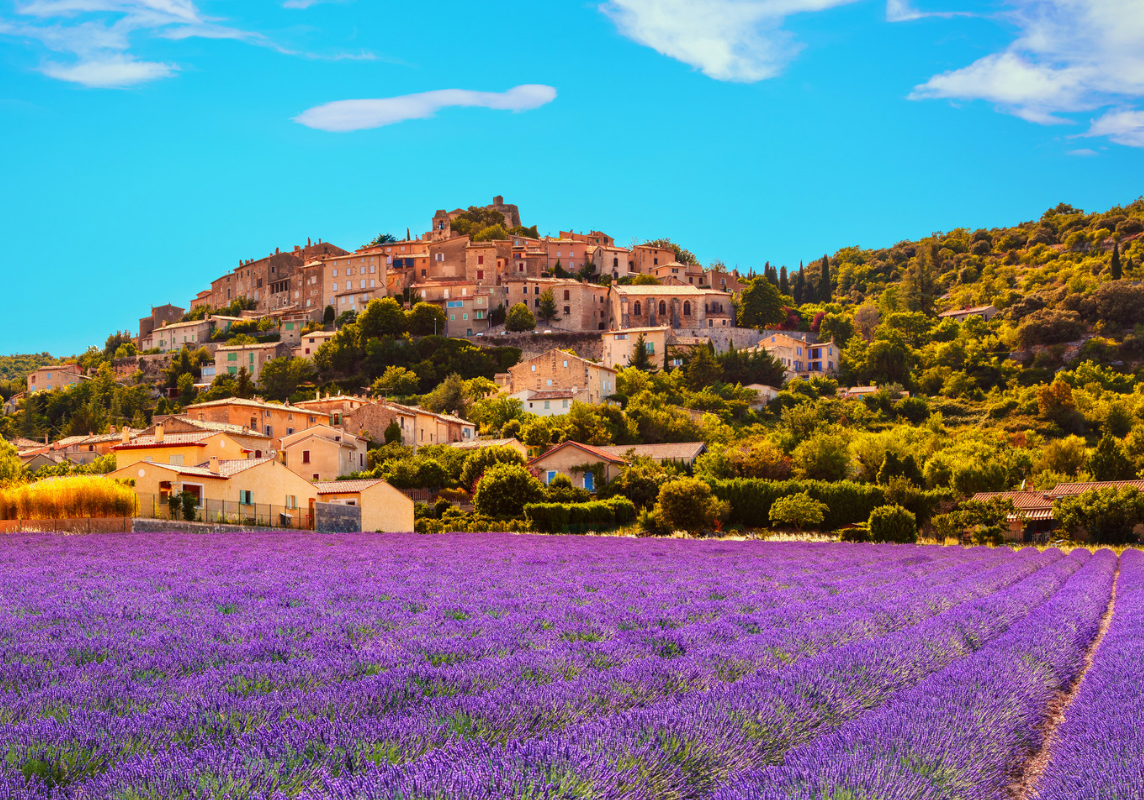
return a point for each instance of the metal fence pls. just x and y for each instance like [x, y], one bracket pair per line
[221, 512]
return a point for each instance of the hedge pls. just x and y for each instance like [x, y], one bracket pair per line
[846, 502]
[555, 517]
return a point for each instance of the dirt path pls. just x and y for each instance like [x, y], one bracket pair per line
[1024, 784]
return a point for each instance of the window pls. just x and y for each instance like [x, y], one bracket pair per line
[550, 381]
[551, 474]
[245, 498]
[534, 368]
[636, 311]
[305, 456]
[567, 310]
[177, 461]
[567, 294]
[547, 405]
[480, 259]
[291, 501]
[565, 363]
[662, 308]
[687, 308]
[480, 274]
[335, 273]
[232, 356]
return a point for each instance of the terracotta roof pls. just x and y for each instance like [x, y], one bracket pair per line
[238, 401]
[1069, 489]
[1022, 500]
[648, 289]
[599, 452]
[262, 346]
[169, 440]
[672, 451]
[553, 394]
[346, 487]
[641, 330]
[957, 312]
[223, 427]
[21, 443]
[478, 444]
[338, 398]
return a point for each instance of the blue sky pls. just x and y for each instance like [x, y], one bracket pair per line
[151, 144]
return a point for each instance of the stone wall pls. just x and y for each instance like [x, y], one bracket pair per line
[170, 526]
[722, 337]
[587, 344]
[335, 518]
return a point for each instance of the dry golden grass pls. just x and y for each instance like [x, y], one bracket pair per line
[67, 498]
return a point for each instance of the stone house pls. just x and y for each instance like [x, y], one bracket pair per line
[310, 343]
[272, 419]
[557, 369]
[596, 238]
[619, 345]
[569, 253]
[580, 306]
[160, 316]
[180, 449]
[229, 359]
[673, 306]
[611, 260]
[961, 314]
[323, 453]
[801, 354]
[61, 376]
[571, 459]
[383, 508]
[644, 258]
[418, 426]
[549, 402]
[253, 440]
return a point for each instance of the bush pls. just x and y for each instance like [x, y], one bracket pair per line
[687, 504]
[1049, 327]
[505, 489]
[1108, 516]
[555, 517]
[800, 510]
[846, 502]
[893, 524]
[480, 460]
[520, 319]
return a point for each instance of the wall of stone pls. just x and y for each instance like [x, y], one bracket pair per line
[334, 518]
[170, 526]
[722, 337]
[587, 344]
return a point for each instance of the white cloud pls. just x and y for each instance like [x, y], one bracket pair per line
[903, 11]
[354, 115]
[1123, 127]
[1071, 56]
[111, 73]
[1083, 153]
[728, 40]
[97, 35]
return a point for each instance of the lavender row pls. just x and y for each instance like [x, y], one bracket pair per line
[1098, 752]
[685, 747]
[966, 731]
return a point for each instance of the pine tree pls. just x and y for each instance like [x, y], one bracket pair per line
[784, 282]
[825, 293]
[1117, 272]
[547, 310]
[639, 357]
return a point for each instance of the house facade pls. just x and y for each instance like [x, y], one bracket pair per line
[557, 369]
[619, 345]
[323, 453]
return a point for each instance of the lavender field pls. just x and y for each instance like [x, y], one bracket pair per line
[500, 666]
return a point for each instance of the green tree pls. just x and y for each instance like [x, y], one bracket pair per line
[823, 457]
[702, 369]
[825, 289]
[281, 377]
[392, 432]
[798, 510]
[448, 397]
[505, 489]
[186, 389]
[547, 310]
[426, 319]
[1109, 461]
[784, 282]
[893, 524]
[1108, 516]
[639, 358]
[396, 382]
[382, 238]
[1116, 271]
[687, 504]
[11, 468]
[480, 460]
[919, 286]
[520, 319]
[837, 328]
[243, 385]
[760, 305]
[382, 317]
[329, 316]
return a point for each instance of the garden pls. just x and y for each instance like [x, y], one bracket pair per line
[498, 665]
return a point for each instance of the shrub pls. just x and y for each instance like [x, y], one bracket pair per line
[555, 517]
[1048, 327]
[893, 524]
[190, 506]
[505, 489]
[800, 510]
[846, 502]
[520, 319]
[480, 460]
[687, 504]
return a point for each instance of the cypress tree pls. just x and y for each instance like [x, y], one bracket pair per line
[784, 282]
[800, 286]
[1117, 271]
[824, 291]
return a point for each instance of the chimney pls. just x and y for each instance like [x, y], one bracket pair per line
[276, 251]
[113, 430]
[214, 468]
[159, 434]
[126, 436]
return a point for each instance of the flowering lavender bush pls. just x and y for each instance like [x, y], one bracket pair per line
[492, 666]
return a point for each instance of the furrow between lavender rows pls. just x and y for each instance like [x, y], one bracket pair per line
[1098, 750]
[686, 747]
[963, 732]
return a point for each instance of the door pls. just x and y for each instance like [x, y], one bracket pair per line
[589, 481]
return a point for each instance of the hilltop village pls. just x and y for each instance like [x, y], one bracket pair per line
[975, 366]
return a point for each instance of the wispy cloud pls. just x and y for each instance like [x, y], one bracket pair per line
[95, 37]
[1071, 56]
[904, 11]
[1083, 153]
[355, 115]
[728, 40]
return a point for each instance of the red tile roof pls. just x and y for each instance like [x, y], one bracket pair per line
[1069, 489]
[599, 452]
[346, 487]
